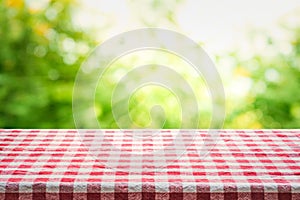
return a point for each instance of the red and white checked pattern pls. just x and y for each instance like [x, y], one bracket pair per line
[245, 164]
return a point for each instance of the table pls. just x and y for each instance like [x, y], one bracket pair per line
[244, 164]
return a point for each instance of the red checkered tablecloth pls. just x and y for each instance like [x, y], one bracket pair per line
[244, 164]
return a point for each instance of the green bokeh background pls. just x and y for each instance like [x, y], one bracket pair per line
[41, 51]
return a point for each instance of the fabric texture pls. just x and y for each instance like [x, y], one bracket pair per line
[58, 164]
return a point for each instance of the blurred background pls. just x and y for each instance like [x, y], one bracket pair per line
[254, 44]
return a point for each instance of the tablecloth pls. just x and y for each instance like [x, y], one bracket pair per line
[56, 164]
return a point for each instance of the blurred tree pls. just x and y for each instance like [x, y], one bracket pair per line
[42, 48]
[40, 52]
[274, 100]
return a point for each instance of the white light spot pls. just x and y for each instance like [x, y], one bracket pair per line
[68, 44]
[272, 75]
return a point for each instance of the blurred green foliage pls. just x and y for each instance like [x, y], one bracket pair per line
[41, 51]
[39, 56]
[274, 99]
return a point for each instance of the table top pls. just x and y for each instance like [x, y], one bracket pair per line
[60, 164]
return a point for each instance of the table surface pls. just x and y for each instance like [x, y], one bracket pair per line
[58, 164]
